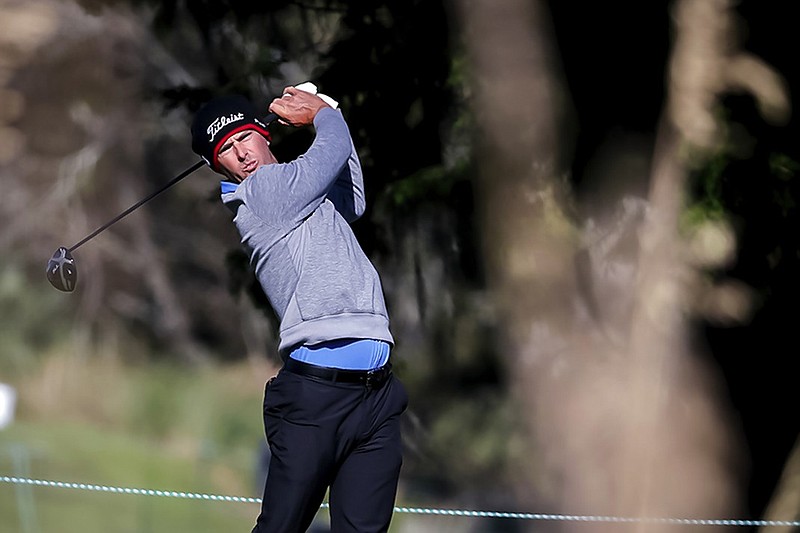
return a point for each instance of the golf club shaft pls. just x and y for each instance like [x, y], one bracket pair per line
[269, 118]
[138, 204]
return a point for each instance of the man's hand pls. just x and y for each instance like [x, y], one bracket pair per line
[297, 107]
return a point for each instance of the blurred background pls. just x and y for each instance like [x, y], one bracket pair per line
[584, 216]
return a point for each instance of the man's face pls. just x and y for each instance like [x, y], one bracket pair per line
[243, 153]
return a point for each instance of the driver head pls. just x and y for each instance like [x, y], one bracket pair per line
[62, 271]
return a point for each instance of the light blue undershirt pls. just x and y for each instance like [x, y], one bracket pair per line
[228, 186]
[350, 354]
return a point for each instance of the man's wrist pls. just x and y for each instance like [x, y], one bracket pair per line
[321, 111]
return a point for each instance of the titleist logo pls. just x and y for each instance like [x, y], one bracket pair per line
[221, 122]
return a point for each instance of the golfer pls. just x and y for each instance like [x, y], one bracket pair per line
[332, 413]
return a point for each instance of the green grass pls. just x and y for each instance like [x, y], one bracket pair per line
[96, 420]
[82, 454]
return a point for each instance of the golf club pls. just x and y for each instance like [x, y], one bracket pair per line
[62, 272]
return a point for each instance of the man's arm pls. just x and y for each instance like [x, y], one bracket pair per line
[300, 108]
[290, 192]
[347, 193]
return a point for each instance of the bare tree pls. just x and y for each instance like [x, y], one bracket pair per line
[76, 137]
[621, 415]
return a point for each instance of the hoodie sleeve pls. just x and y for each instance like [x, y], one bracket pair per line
[289, 192]
[347, 193]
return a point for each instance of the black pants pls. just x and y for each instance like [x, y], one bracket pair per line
[322, 435]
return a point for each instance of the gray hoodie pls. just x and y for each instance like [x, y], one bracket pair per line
[294, 222]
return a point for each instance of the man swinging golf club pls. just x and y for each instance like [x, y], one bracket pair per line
[332, 413]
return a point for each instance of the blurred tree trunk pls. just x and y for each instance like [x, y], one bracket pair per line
[706, 63]
[628, 423]
[530, 240]
[785, 504]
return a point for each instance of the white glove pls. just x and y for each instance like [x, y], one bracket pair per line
[311, 88]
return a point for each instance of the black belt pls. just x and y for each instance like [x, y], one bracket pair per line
[372, 379]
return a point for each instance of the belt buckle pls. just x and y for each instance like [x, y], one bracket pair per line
[374, 378]
[369, 379]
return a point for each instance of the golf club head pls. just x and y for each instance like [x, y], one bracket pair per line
[62, 271]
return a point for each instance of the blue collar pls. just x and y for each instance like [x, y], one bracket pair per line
[228, 186]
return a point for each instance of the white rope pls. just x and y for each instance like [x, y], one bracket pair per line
[412, 510]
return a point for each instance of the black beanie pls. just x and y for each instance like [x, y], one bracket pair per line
[219, 119]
